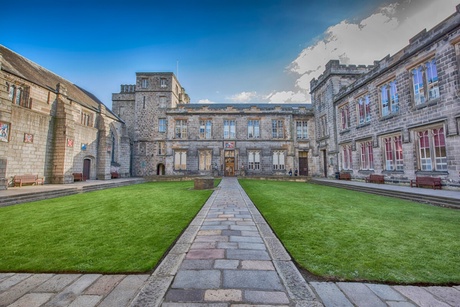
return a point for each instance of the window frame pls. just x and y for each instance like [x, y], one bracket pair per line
[205, 159]
[205, 130]
[277, 128]
[366, 155]
[363, 106]
[432, 151]
[162, 125]
[301, 129]
[425, 82]
[229, 129]
[279, 160]
[254, 159]
[180, 129]
[180, 159]
[253, 129]
[393, 155]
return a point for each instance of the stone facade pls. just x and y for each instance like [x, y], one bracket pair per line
[52, 128]
[210, 139]
[400, 117]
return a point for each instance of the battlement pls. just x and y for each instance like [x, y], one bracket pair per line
[333, 67]
[127, 88]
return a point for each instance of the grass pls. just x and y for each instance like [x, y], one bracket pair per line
[346, 235]
[120, 230]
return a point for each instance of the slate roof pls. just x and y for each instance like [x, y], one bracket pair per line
[24, 68]
[246, 106]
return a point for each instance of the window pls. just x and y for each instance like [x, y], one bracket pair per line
[278, 160]
[253, 159]
[389, 98]
[425, 82]
[162, 101]
[205, 129]
[301, 129]
[393, 153]
[322, 126]
[113, 143]
[344, 117]
[163, 82]
[347, 157]
[277, 129]
[161, 148]
[144, 83]
[229, 129]
[162, 124]
[19, 95]
[367, 156]
[180, 159]
[86, 119]
[432, 154]
[181, 129]
[253, 129]
[364, 110]
[205, 160]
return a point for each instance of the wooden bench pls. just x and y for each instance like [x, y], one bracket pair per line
[373, 178]
[345, 176]
[78, 177]
[19, 180]
[114, 175]
[426, 181]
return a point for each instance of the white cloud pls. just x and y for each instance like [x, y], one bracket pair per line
[384, 32]
[205, 101]
[243, 97]
[287, 96]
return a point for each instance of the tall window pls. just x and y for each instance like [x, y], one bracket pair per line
[162, 101]
[180, 159]
[425, 82]
[229, 129]
[364, 109]
[253, 129]
[389, 98]
[112, 137]
[163, 82]
[432, 150]
[277, 129]
[205, 128]
[393, 153]
[367, 156]
[144, 83]
[181, 129]
[323, 126]
[278, 160]
[301, 129]
[86, 119]
[205, 160]
[344, 117]
[253, 159]
[19, 95]
[162, 124]
[347, 157]
[161, 148]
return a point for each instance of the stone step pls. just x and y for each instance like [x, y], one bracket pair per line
[29, 197]
[427, 199]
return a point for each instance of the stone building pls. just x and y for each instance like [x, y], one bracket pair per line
[170, 136]
[399, 117]
[51, 128]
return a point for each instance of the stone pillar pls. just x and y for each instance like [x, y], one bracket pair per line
[64, 138]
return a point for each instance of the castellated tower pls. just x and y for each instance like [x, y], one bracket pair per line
[142, 106]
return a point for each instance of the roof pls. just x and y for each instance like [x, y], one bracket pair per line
[24, 68]
[243, 106]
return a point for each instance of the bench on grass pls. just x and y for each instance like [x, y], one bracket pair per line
[433, 182]
[345, 176]
[19, 180]
[373, 178]
[78, 177]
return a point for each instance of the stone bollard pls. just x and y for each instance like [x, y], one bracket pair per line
[204, 183]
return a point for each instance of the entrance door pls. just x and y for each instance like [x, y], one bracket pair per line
[161, 169]
[325, 163]
[303, 163]
[229, 163]
[86, 169]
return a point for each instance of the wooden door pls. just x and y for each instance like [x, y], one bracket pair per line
[303, 163]
[86, 169]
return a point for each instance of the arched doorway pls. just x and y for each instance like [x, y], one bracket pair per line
[86, 169]
[160, 169]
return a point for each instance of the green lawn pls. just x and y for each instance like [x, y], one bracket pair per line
[126, 229]
[348, 235]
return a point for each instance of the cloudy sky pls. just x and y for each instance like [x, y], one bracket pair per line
[222, 50]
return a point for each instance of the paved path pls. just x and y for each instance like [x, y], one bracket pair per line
[228, 256]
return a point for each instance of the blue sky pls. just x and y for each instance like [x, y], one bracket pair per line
[222, 51]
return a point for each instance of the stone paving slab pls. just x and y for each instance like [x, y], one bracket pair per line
[239, 231]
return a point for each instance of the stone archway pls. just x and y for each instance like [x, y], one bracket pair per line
[160, 169]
